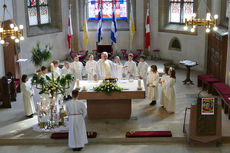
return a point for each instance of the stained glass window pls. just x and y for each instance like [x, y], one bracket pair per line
[107, 9]
[180, 9]
[38, 12]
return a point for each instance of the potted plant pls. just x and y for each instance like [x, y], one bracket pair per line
[40, 55]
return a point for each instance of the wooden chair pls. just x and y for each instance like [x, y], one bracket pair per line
[5, 93]
[104, 48]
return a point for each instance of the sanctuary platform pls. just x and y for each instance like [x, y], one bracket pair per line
[15, 128]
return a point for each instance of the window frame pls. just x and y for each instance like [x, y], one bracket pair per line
[38, 6]
[182, 3]
[113, 1]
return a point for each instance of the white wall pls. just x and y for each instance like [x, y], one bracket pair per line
[193, 46]
[57, 40]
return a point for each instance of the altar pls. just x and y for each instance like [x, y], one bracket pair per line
[116, 106]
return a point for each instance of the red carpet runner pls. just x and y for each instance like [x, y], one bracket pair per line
[65, 135]
[135, 134]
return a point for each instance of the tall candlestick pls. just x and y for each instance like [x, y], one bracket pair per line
[78, 83]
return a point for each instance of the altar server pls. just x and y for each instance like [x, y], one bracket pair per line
[77, 68]
[118, 68]
[76, 111]
[142, 70]
[152, 84]
[66, 70]
[57, 70]
[170, 91]
[104, 68]
[165, 77]
[28, 93]
[44, 71]
[90, 66]
[131, 68]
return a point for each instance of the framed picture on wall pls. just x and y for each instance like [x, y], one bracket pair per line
[207, 106]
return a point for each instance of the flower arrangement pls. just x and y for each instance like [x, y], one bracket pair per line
[52, 86]
[108, 88]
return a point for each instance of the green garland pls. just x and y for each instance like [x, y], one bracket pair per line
[52, 86]
[108, 88]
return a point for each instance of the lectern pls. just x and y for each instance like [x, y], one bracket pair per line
[204, 126]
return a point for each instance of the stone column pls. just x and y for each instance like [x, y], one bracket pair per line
[75, 15]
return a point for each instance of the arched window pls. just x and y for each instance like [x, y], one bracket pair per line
[175, 44]
[38, 12]
[179, 10]
[107, 9]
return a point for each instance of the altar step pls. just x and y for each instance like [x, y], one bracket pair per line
[124, 141]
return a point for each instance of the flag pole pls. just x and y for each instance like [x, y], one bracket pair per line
[71, 15]
[149, 48]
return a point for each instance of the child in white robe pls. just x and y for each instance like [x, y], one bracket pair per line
[44, 71]
[57, 70]
[90, 66]
[77, 112]
[66, 70]
[152, 84]
[142, 70]
[130, 68]
[170, 91]
[77, 68]
[28, 93]
[165, 77]
[119, 68]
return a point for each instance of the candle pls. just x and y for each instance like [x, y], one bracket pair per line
[83, 88]
[139, 83]
[52, 67]
[77, 83]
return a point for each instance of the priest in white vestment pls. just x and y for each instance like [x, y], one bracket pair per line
[76, 110]
[130, 68]
[28, 93]
[90, 67]
[142, 70]
[104, 68]
[77, 68]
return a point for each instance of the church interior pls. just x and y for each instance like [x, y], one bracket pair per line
[114, 76]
